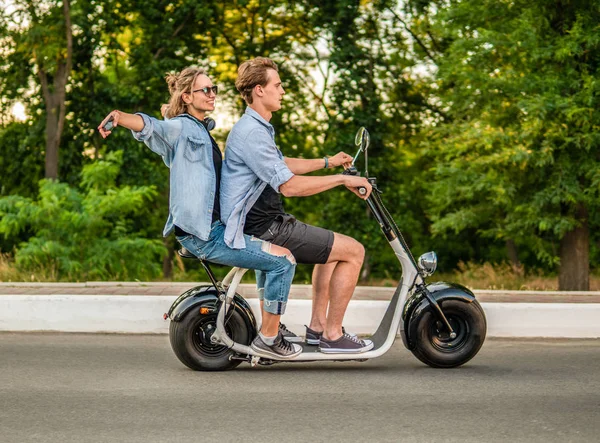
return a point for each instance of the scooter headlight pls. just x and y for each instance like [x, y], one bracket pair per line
[428, 263]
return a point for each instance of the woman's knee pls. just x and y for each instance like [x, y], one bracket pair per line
[280, 251]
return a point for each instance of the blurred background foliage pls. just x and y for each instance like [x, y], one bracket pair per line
[483, 117]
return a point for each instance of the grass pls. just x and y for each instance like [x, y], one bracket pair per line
[497, 276]
[501, 276]
[10, 273]
[475, 276]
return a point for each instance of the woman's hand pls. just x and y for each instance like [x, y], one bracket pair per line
[113, 117]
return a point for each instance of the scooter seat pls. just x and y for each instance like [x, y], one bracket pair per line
[184, 253]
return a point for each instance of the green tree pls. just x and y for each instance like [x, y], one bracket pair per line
[22, 162]
[41, 38]
[519, 158]
[366, 63]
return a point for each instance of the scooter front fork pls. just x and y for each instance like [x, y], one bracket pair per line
[438, 310]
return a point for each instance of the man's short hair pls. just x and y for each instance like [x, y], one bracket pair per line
[252, 73]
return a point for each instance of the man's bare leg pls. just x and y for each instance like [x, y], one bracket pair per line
[321, 279]
[335, 283]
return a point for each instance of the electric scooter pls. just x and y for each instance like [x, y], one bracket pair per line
[442, 324]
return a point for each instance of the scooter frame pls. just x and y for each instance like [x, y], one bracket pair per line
[383, 339]
[412, 300]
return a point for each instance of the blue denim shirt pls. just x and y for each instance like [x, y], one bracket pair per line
[185, 147]
[252, 161]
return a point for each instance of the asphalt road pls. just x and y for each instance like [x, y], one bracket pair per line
[118, 388]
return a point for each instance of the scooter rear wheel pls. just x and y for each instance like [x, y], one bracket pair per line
[190, 340]
[433, 345]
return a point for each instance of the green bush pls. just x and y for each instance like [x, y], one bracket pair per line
[84, 234]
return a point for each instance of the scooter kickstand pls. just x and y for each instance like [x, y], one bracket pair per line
[254, 361]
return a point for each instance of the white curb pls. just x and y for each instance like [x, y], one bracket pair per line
[144, 314]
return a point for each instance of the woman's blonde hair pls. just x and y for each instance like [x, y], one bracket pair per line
[181, 83]
[252, 73]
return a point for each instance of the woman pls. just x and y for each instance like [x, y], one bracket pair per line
[194, 160]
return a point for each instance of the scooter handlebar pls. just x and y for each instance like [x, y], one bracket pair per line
[351, 171]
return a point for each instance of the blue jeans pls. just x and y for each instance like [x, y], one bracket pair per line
[278, 270]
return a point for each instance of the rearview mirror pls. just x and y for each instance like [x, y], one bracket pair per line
[362, 139]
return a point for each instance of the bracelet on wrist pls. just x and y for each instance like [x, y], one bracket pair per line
[326, 162]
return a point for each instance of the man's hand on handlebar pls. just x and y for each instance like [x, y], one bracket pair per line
[340, 159]
[355, 183]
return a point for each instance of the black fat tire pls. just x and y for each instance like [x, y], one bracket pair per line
[436, 349]
[193, 348]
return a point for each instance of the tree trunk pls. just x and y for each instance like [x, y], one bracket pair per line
[366, 269]
[574, 256]
[168, 259]
[55, 97]
[513, 256]
[52, 137]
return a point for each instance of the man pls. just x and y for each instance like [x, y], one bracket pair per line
[254, 173]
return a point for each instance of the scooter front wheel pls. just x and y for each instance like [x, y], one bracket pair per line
[435, 347]
[190, 340]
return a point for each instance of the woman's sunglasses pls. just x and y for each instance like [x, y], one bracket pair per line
[208, 89]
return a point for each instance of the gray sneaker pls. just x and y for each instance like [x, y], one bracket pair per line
[289, 335]
[280, 350]
[314, 337]
[346, 344]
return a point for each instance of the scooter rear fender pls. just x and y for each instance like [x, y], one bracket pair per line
[418, 305]
[208, 297]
